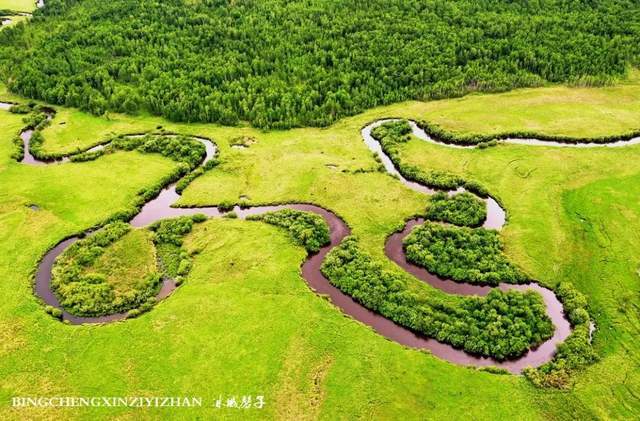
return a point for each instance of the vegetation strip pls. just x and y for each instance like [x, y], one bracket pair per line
[430, 132]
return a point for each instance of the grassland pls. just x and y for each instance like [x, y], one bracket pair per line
[573, 215]
[244, 322]
[18, 5]
[128, 261]
[14, 19]
[553, 110]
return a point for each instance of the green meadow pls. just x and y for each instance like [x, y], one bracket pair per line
[245, 323]
[18, 5]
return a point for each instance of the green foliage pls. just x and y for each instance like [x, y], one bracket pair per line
[501, 324]
[178, 148]
[35, 145]
[576, 351]
[460, 209]
[279, 64]
[574, 303]
[18, 152]
[87, 156]
[307, 229]
[20, 109]
[53, 311]
[188, 179]
[242, 141]
[87, 293]
[462, 254]
[494, 370]
[394, 133]
[226, 206]
[168, 237]
[172, 230]
[35, 120]
[142, 308]
[174, 260]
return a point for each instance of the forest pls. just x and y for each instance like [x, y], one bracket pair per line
[281, 64]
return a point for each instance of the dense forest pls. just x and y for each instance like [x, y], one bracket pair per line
[279, 64]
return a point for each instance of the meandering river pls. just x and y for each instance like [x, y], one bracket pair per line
[161, 207]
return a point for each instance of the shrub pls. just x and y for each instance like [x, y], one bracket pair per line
[243, 141]
[482, 140]
[173, 230]
[87, 156]
[53, 311]
[494, 370]
[576, 352]
[178, 148]
[168, 237]
[462, 254]
[394, 133]
[133, 313]
[574, 303]
[20, 109]
[170, 256]
[226, 206]
[460, 209]
[307, 229]
[18, 151]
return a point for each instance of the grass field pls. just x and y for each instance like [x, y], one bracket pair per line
[14, 19]
[573, 215]
[245, 323]
[18, 5]
[128, 261]
[555, 110]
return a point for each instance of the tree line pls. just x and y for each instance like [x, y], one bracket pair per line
[392, 135]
